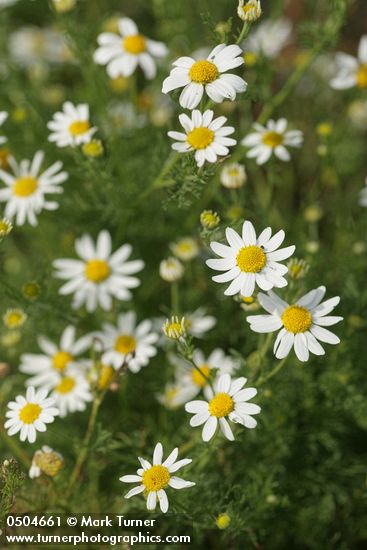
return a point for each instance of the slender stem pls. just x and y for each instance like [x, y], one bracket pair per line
[244, 32]
[85, 444]
[273, 372]
[14, 447]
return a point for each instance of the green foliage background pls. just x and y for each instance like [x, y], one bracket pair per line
[299, 479]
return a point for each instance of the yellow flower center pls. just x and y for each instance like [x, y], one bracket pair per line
[79, 127]
[251, 259]
[61, 359]
[221, 405]
[97, 270]
[203, 72]
[296, 319]
[14, 318]
[250, 58]
[29, 413]
[200, 378]
[105, 376]
[272, 139]
[23, 187]
[49, 463]
[66, 385]
[156, 478]
[134, 44]
[362, 76]
[125, 344]
[200, 138]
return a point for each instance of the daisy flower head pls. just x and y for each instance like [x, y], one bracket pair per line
[269, 38]
[46, 461]
[71, 393]
[154, 478]
[185, 249]
[274, 138]
[3, 117]
[207, 75]
[191, 381]
[363, 195]
[233, 175]
[128, 343]
[171, 269]
[71, 126]
[100, 274]
[6, 227]
[229, 400]
[204, 135]
[124, 52]
[30, 414]
[301, 325]
[352, 72]
[175, 328]
[26, 188]
[250, 260]
[249, 11]
[57, 359]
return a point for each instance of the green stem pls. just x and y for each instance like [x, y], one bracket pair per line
[272, 373]
[244, 32]
[85, 444]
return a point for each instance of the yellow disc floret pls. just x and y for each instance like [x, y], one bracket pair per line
[23, 187]
[221, 405]
[203, 72]
[79, 127]
[156, 478]
[251, 259]
[296, 319]
[125, 344]
[200, 376]
[29, 413]
[66, 385]
[97, 270]
[362, 76]
[61, 359]
[200, 138]
[134, 44]
[272, 139]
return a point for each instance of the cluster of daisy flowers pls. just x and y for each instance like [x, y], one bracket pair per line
[62, 380]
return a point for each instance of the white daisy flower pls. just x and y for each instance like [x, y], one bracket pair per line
[128, 343]
[171, 269]
[228, 401]
[207, 75]
[192, 381]
[100, 274]
[45, 368]
[197, 323]
[250, 260]
[32, 46]
[204, 135]
[272, 138]
[71, 393]
[269, 38]
[124, 52]
[26, 189]
[185, 249]
[351, 71]
[363, 195]
[3, 117]
[154, 478]
[249, 11]
[233, 175]
[46, 461]
[30, 414]
[71, 126]
[302, 323]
